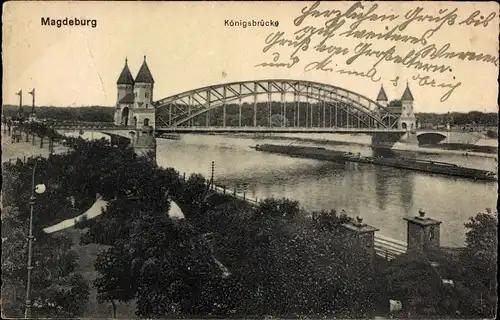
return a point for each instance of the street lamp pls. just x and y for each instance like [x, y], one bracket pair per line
[39, 189]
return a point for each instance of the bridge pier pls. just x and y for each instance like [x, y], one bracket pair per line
[145, 142]
[388, 139]
[134, 137]
[410, 137]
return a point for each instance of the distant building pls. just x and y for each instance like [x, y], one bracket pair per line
[427, 125]
[134, 105]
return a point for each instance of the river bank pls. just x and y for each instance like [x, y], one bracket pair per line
[384, 196]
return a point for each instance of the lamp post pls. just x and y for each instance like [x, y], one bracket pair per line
[40, 188]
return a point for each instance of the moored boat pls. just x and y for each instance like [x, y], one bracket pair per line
[317, 153]
[169, 136]
[429, 166]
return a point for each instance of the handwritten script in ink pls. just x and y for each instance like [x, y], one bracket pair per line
[378, 39]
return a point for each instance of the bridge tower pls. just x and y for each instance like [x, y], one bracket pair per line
[144, 111]
[125, 98]
[407, 121]
[134, 105]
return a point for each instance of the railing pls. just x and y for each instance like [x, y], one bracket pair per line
[389, 248]
[223, 190]
[238, 195]
[106, 126]
[276, 129]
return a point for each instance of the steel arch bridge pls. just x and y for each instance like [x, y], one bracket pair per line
[351, 109]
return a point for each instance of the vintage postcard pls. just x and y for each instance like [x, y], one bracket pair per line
[264, 160]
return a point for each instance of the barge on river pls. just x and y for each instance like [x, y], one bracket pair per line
[437, 167]
[169, 136]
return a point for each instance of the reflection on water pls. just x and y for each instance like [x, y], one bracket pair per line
[382, 195]
[406, 190]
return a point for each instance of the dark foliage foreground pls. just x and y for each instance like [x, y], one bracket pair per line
[226, 258]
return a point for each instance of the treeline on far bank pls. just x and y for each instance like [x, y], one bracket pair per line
[85, 114]
[106, 114]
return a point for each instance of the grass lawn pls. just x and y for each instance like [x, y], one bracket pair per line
[87, 255]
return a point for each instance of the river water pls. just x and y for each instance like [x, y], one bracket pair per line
[382, 196]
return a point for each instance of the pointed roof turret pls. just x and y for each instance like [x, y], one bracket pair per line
[125, 76]
[381, 95]
[407, 96]
[144, 75]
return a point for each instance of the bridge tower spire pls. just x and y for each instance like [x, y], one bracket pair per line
[382, 97]
[407, 120]
[144, 111]
[382, 101]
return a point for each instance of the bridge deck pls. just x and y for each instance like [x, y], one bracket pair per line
[232, 129]
[111, 127]
[273, 130]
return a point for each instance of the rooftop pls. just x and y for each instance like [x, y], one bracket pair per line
[381, 95]
[144, 75]
[125, 77]
[407, 96]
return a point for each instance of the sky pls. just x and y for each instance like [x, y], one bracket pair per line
[188, 46]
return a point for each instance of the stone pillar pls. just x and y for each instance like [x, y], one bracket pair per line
[363, 234]
[423, 234]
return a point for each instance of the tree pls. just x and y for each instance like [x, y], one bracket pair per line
[481, 250]
[413, 281]
[116, 282]
[329, 221]
[286, 266]
[477, 268]
[277, 120]
[472, 270]
[395, 103]
[57, 290]
[227, 257]
[282, 208]
[165, 264]
[174, 268]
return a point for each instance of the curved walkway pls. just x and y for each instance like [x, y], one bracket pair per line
[95, 210]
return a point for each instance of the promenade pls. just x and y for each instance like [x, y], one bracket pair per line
[11, 151]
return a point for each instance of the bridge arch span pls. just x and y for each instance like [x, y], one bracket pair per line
[190, 104]
[430, 137]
